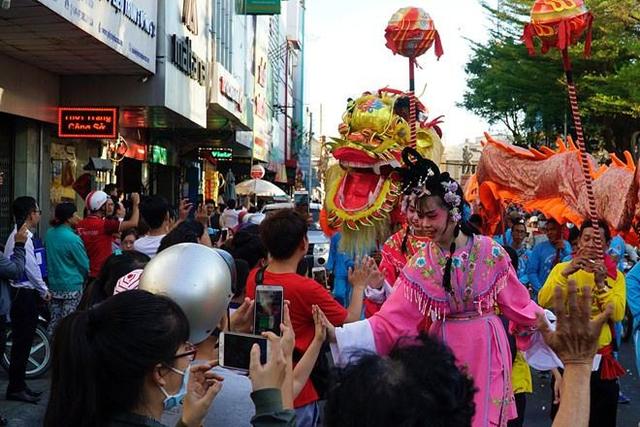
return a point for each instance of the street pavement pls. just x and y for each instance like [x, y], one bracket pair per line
[537, 413]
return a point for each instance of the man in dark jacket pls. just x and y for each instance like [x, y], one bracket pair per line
[10, 269]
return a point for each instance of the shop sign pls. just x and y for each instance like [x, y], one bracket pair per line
[260, 149]
[221, 154]
[260, 106]
[186, 60]
[136, 151]
[158, 155]
[230, 88]
[244, 138]
[90, 123]
[258, 7]
[129, 27]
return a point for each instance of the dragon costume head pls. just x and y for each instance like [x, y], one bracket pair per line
[362, 189]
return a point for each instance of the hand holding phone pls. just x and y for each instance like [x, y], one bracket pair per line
[269, 306]
[235, 350]
[271, 374]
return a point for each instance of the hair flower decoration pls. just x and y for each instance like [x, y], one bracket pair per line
[455, 214]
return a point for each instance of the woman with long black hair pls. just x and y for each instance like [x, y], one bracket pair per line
[125, 361]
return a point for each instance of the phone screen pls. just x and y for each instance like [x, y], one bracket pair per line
[223, 234]
[237, 350]
[268, 310]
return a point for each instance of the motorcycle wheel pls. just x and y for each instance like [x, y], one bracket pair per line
[40, 357]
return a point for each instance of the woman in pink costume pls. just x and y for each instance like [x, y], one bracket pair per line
[451, 288]
[396, 251]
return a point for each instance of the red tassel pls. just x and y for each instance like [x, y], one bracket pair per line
[564, 35]
[527, 37]
[610, 368]
[438, 47]
[587, 43]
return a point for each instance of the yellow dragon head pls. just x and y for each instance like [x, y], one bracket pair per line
[362, 189]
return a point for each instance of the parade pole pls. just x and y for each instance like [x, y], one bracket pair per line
[584, 158]
[412, 101]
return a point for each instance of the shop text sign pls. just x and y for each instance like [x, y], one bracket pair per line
[186, 59]
[127, 26]
[82, 122]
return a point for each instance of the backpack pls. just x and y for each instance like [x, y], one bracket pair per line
[321, 373]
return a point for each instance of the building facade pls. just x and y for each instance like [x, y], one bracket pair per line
[158, 97]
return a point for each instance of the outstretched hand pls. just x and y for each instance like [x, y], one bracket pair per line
[575, 339]
[365, 272]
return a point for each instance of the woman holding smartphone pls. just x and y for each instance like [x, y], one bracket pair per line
[96, 381]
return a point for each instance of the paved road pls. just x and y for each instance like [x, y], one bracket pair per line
[537, 415]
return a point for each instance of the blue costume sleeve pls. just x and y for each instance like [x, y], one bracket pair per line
[533, 268]
[633, 291]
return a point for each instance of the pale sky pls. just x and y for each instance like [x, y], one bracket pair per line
[345, 55]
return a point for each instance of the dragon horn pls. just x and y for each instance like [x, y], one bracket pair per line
[616, 160]
[561, 146]
[571, 143]
[629, 158]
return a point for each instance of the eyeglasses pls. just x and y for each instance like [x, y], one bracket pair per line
[190, 351]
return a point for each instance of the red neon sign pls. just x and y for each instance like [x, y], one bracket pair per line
[87, 122]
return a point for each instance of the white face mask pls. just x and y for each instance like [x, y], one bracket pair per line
[173, 400]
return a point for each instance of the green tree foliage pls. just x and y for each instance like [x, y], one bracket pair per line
[528, 94]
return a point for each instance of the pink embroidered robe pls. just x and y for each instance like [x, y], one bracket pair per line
[482, 279]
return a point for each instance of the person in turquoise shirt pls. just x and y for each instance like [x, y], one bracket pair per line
[67, 263]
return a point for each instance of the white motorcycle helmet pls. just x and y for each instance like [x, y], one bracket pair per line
[198, 278]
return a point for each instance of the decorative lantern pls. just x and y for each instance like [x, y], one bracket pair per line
[411, 32]
[559, 24]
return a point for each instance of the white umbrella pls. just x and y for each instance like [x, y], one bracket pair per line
[260, 188]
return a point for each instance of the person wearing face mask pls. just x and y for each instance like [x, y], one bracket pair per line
[396, 251]
[125, 361]
[451, 288]
[67, 263]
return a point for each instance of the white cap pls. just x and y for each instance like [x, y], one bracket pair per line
[96, 199]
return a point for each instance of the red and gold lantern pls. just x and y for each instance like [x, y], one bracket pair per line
[559, 24]
[411, 33]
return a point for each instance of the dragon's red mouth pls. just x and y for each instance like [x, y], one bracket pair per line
[359, 190]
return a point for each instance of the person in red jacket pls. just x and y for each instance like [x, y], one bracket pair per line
[97, 232]
[284, 234]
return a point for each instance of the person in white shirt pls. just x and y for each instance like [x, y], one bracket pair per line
[25, 296]
[229, 217]
[155, 213]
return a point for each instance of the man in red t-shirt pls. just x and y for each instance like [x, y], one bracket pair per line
[284, 234]
[97, 232]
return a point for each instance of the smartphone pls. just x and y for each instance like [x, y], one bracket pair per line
[235, 350]
[268, 309]
[223, 234]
